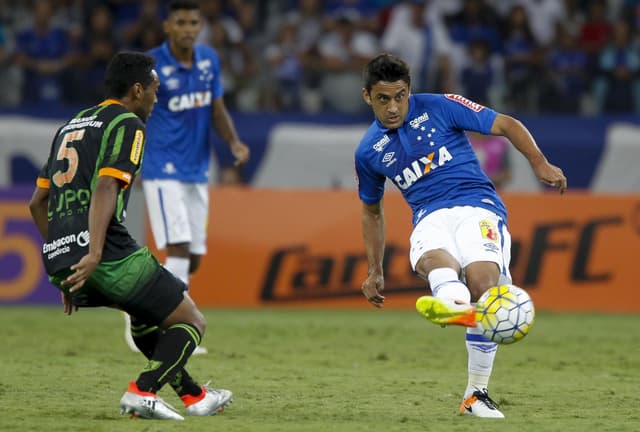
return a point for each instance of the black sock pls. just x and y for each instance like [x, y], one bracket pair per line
[183, 384]
[173, 349]
[146, 337]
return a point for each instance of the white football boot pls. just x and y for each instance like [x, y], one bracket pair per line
[479, 404]
[146, 405]
[210, 402]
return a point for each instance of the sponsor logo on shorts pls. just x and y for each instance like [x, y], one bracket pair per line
[488, 230]
[491, 247]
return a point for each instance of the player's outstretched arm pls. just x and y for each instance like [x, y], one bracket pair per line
[373, 231]
[522, 139]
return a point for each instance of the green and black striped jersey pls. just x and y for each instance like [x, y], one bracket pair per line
[104, 140]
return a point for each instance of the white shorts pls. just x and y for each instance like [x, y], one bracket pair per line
[469, 234]
[178, 213]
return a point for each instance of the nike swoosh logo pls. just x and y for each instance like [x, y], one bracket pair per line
[468, 408]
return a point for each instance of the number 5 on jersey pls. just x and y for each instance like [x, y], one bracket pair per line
[60, 178]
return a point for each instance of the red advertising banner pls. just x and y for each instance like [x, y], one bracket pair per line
[283, 247]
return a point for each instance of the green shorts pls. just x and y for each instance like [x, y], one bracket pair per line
[137, 284]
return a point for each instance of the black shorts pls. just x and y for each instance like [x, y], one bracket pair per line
[137, 284]
[155, 301]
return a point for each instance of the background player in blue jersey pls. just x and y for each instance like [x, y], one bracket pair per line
[460, 243]
[177, 157]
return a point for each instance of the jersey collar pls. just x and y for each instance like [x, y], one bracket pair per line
[110, 102]
[174, 61]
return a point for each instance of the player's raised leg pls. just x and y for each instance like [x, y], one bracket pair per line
[433, 256]
[450, 303]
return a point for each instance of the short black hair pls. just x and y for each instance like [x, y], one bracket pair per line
[124, 70]
[176, 5]
[385, 67]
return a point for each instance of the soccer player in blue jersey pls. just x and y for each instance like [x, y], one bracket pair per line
[177, 158]
[460, 243]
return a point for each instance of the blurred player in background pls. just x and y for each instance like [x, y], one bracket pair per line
[178, 153]
[460, 243]
[79, 206]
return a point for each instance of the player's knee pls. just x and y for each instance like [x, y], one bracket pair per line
[433, 259]
[180, 250]
[199, 322]
[480, 279]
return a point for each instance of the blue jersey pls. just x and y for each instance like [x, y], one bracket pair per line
[429, 157]
[178, 130]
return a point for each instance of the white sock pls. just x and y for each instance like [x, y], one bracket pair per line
[179, 267]
[445, 285]
[482, 353]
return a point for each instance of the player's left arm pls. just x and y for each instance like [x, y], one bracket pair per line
[522, 140]
[39, 204]
[223, 124]
[38, 207]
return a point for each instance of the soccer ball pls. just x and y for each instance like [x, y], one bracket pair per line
[505, 314]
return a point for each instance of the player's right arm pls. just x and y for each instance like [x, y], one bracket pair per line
[371, 192]
[373, 232]
[103, 205]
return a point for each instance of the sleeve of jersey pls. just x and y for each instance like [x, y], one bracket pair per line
[370, 183]
[468, 115]
[43, 177]
[124, 151]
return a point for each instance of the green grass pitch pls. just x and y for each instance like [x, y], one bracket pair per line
[323, 370]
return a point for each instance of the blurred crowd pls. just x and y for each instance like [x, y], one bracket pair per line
[525, 56]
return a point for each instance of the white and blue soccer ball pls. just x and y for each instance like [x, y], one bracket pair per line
[505, 314]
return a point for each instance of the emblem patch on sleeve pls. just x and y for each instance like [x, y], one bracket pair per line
[136, 148]
[464, 101]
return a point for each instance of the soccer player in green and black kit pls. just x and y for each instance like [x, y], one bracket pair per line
[79, 206]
